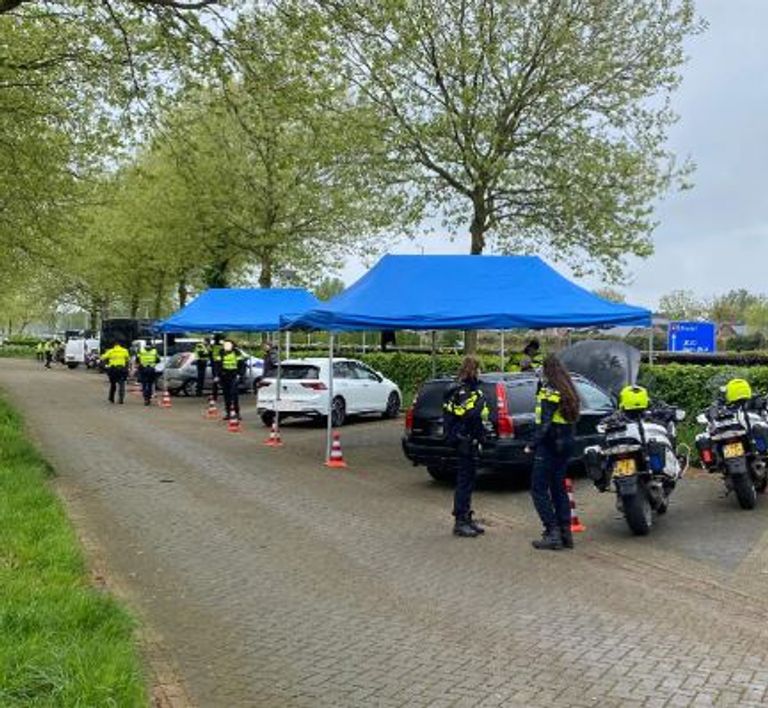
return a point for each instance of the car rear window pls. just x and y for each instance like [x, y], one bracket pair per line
[430, 400]
[521, 398]
[299, 371]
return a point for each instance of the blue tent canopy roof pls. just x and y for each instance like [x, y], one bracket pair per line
[239, 310]
[465, 292]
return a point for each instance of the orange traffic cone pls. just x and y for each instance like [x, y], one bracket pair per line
[212, 412]
[274, 439]
[336, 459]
[576, 525]
[233, 422]
[165, 401]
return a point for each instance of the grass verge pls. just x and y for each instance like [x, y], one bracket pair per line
[62, 641]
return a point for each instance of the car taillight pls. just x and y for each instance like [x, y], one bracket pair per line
[409, 420]
[706, 456]
[505, 424]
[315, 385]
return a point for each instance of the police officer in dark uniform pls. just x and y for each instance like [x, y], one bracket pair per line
[216, 352]
[232, 371]
[557, 410]
[203, 353]
[148, 359]
[465, 413]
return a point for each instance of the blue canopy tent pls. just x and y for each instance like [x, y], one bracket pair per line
[463, 292]
[239, 310]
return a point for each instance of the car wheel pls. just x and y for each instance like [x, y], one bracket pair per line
[188, 389]
[338, 412]
[393, 405]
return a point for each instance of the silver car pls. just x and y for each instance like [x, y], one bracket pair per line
[181, 374]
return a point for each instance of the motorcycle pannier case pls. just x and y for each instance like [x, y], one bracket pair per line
[760, 435]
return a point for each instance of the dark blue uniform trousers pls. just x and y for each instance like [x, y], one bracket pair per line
[548, 481]
[465, 478]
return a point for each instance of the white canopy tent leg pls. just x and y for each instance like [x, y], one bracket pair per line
[329, 426]
[165, 365]
[502, 351]
[434, 354]
[278, 383]
[287, 344]
[650, 346]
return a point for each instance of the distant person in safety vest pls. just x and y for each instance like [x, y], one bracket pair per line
[530, 359]
[557, 411]
[116, 360]
[465, 414]
[147, 359]
[232, 371]
[216, 352]
[203, 355]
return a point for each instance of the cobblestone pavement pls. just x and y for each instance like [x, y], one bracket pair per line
[276, 582]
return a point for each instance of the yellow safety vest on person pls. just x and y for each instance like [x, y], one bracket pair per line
[552, 396]
[231, 360]
[148, 357]
[523, 362]
[116, 356]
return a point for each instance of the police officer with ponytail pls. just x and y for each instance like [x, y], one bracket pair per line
[557, 410]
[466, 412]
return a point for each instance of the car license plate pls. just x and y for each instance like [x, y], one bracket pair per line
[625, 468]
[733, 450]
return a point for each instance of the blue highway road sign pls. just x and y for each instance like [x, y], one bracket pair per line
[691, 337]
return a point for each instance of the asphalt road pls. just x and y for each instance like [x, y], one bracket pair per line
[272, 581]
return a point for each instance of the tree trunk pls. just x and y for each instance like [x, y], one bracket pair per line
[93, 317]
[183, 293]
[265, 277]
[477, 231]
[158, 304]
[134, 306]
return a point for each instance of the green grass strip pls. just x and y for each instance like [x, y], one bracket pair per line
[62, 641]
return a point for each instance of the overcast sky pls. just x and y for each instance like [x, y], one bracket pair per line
[714, 237]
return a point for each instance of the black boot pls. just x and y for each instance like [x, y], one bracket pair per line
[567, 535]
[551, 540]
[463, 528]
[478, 529]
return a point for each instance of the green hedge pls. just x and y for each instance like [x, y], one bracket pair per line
[693, 387]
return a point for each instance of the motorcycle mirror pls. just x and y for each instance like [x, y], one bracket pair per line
[679, 415]
[701, 419]
[601, 428]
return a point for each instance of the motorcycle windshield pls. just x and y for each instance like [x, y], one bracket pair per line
[611, 365]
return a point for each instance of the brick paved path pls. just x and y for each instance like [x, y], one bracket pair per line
[275, 582]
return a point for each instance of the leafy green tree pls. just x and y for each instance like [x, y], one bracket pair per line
[538, 124]
[733, 306]
[682, 305]
[610, 294]
[329, 287]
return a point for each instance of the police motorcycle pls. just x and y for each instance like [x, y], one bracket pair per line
[735, 442]
[640, 456]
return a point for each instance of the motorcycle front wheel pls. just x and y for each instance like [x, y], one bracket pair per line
[638, 513]
[745, 491]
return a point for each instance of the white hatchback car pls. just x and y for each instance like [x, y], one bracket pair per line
[357, 389]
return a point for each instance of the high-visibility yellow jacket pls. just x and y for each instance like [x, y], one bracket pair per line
[116, 356]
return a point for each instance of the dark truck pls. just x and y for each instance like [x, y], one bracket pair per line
[512, 398]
